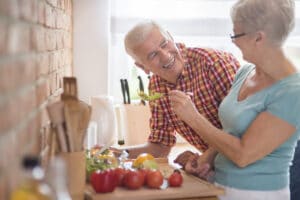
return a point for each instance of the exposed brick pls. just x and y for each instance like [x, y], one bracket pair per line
[68, 6]
[67, 57]
[35, 53]
[26, 66]
[18, 38]
[50, 40]
[61, 4]
[60, 19]
[3, 186]
[68, 22]
[9, 8]
[42, 92]
[49, 16]
[42, 61]
[3, 36]
[41, 12]
[44, 119]
[38, 41]
[16, 74]
[67, 40]
[28, 10]
[6, 118]
[59, 39]
[54, 3]
[5, 78]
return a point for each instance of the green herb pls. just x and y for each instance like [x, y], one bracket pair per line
[151, 97]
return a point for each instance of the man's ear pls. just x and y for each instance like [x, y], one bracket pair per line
[142, 67]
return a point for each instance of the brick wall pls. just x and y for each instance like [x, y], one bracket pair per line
[35, 53]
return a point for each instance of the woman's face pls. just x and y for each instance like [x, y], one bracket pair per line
[244, 41]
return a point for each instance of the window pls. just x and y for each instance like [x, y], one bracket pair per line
[194, 22]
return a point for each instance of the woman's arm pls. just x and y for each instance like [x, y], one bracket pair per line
[266, 133]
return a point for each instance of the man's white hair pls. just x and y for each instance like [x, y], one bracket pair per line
[139, 33]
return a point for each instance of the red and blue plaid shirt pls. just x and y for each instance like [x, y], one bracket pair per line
[208, 74]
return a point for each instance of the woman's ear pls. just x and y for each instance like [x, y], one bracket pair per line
[260, 36]
[142, 67]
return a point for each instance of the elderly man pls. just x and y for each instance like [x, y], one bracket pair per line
[206, 74]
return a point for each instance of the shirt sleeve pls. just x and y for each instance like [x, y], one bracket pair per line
[284, 103]
[161, 131]
[222, 74]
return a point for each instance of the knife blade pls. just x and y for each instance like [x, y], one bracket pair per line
[127, 90]
[141, 86]
[123, 90]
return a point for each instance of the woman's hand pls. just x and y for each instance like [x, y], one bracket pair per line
[182, 105]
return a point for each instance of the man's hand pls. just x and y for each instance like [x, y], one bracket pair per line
[199, 168]
[183, 158]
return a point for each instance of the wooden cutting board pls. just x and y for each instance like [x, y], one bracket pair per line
[192, 187]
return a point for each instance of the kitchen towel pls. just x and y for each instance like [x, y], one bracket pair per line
[104, 116]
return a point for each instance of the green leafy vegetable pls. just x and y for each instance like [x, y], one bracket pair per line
[101, 162]
[151, 97]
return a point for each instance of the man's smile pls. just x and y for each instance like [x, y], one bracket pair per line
[170, 63]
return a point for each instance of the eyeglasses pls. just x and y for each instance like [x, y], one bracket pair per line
[237, 35]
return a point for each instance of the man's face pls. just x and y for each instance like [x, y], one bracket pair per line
[160, 55]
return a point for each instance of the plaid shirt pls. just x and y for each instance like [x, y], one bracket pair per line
[208, 74]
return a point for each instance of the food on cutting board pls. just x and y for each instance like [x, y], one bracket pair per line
[104, 181]
[145, 161]
[120, 173]
[133, 180]
[106, 173]
[154, 179]
[151, 97]
[175, 179]
[99, 161]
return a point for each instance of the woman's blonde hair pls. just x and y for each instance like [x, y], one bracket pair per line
[275, 17]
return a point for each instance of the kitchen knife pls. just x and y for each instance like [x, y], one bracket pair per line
[141, 86]
[127, 90]
[123, 90]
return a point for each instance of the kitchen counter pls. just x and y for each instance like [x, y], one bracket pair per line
[192, 188]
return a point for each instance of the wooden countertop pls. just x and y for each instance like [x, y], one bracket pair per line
[192, 188]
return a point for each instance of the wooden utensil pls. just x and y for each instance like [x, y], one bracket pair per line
[77, 114]
[56, 115]
[84, 122]
[70, 89]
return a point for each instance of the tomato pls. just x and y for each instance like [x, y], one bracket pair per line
[175, 179]
[133, 180]
[104, 181]
[120, 173]
[154, 179]
[144, 173]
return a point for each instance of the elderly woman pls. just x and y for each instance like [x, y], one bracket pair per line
[260, 115]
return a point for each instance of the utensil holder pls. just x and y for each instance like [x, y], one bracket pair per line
[75, 165]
